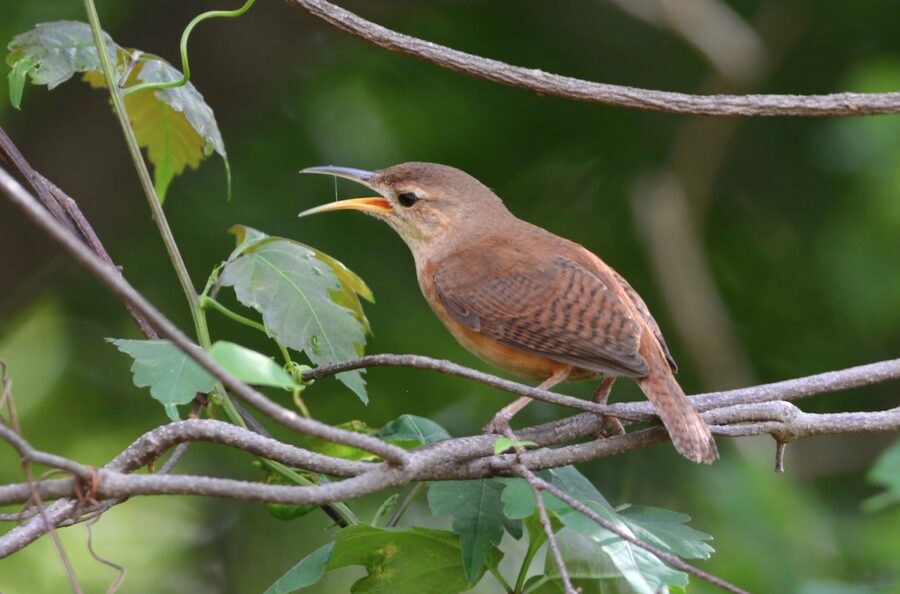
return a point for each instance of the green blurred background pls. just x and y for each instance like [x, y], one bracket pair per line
[767, 248]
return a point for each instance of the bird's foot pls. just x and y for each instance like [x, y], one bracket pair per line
[609, 427]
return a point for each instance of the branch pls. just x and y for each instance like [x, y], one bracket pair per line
[794, 389]
[65, 210]
[544, 83]
[111, 277]
[454, 459]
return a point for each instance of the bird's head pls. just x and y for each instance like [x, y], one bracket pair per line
[423, 202]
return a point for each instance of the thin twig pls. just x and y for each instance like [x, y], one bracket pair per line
[66, 211]
[548, 527]
[673, 560]
[832, 381]
[545, 83]
[27, 454]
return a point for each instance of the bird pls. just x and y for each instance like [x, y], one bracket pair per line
[522, 298]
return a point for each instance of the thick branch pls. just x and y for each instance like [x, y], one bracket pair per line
[463, 458]
[545, 83]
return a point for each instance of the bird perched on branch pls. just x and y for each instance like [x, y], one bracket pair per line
[522, 298]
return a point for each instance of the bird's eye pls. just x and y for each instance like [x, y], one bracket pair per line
[407, 199]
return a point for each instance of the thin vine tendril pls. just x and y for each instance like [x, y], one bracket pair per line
[185, 66]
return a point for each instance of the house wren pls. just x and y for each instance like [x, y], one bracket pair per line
[522, 298]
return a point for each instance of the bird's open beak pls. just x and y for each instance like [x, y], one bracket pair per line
[375, 204]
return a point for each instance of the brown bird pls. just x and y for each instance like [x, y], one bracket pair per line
[521, 298]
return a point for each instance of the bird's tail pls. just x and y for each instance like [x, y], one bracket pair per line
[689, 432]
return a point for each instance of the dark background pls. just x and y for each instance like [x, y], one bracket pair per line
[767, 248]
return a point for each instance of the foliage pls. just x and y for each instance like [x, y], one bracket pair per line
[832, 222]
[175, 125]
[885, 472]
[301, 300]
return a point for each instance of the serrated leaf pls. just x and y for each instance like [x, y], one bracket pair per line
[249, 366]
[401, 561]
[175, 126]
[292, 289]
[477, 517]
[885, 472]
[305, 573]
[667, 530]
[52, 53]
[643, 571]
[409, 431]
[352, 286]
[172, 376]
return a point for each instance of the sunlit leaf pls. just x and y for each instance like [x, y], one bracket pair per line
[172, 376]
[249, 366]
[305, 573]
[293, 290]
[477, 517]
[401, 561]
[176, 126]
[410, 431]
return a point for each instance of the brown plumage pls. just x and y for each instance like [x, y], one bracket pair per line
[522, 298]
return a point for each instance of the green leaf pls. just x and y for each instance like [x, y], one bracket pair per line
[643, 571]
[504, 443]
[292, 288]
[586, 562]
[667, 530]
[17, 77]
[173, 377]
[51, 54]
[305, 573]
[518, 498]
[352, 286]
[249, 366]
[176, 126]
[885, 472]
[386, 507]
[477, 514]
[409, 431]
[409, 561]
[284, 511]
[338, 450]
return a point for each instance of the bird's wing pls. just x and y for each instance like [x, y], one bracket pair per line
[553, 307]
[644, 312]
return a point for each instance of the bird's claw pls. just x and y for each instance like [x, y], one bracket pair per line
[609, 427]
